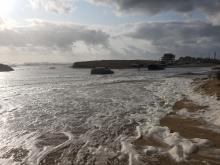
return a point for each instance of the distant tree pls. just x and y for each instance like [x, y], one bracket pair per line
[168, 58]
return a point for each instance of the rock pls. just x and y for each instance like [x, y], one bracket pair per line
[156, 67]
[218, 75]
[5, 68]
[216, 68]
[52, 67]
[101, 71]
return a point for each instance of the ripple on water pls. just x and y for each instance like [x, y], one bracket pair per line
[80, 119]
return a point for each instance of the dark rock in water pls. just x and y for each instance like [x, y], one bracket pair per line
[5, 68]
[216, 68]
[156, 67]
[138, 66]
[101, 71]
[52, 67]
[218, 75]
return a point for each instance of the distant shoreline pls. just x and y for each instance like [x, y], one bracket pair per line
[129, 64]
[114, 64]
[192, 65]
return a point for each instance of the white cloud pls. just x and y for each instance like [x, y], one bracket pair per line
[57, 6]
[215, 19]
[48, 33]
[41, 40]
[65, 41]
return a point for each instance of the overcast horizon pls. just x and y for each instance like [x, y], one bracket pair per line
[64, 31]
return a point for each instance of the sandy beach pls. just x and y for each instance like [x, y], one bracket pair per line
[189, 127]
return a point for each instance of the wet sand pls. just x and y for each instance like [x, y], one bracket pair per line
[211, 87]
[187, 104]
[189, 128]
[195, 128]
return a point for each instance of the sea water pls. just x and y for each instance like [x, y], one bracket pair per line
[59, 115]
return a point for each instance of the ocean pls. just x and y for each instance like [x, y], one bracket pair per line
[53, 114]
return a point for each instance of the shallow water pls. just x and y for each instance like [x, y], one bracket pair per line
[67, 116]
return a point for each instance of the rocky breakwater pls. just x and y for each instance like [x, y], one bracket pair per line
[5, 68]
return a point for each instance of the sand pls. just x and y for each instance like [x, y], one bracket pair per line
[210, 87]
[195, 128]
[189, 128]
[188, 104]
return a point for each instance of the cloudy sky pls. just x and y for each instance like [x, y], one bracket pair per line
[75, 30]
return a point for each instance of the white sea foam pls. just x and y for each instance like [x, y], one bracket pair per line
[92, 119]
[181, 88]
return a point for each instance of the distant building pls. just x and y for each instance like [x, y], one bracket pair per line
[168, 58]
[194, 60]
[189, 60]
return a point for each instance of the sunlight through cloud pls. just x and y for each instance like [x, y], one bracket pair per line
[6, 7]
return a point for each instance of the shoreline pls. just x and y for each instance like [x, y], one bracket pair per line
[184, 121]
[132, 64]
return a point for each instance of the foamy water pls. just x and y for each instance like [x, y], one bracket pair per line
[66, 116]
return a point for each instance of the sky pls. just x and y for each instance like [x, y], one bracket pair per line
[65, 31]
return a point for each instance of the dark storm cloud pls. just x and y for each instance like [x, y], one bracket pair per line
[192, 38]
[144, 6]
[149, 40]
[157, 6]
[49, 34]
[177, 30]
